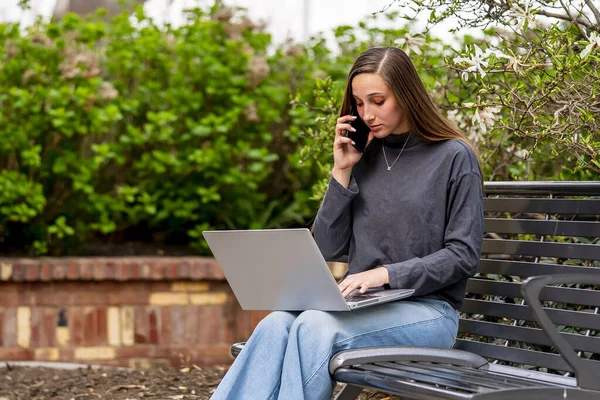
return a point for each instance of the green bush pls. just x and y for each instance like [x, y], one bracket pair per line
[123, 130]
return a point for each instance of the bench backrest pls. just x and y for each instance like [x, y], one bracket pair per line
[540, 228]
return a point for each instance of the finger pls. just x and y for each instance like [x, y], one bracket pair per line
[351, 288]
[346, 118]
[340, 141]
[348, 291]
[363, 288]
[343, 285]
[342, 128]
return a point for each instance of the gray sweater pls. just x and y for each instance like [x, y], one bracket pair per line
[422, 220]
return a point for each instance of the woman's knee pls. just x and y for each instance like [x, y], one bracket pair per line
[277, 322]
[318, 324]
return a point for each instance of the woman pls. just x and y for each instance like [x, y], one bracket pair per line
[408, 213]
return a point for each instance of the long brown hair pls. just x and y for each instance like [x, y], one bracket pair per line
[398, 72]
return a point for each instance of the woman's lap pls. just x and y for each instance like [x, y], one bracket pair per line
[421, 321]
[289, 352]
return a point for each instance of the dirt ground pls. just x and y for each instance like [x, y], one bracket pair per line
[19, 382]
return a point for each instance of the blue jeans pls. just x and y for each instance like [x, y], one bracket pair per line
[287, 356]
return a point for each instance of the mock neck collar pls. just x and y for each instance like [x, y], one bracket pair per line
[399, 140]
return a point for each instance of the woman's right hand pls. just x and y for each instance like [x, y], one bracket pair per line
[344, 154]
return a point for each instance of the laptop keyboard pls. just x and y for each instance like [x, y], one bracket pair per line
[359, 297]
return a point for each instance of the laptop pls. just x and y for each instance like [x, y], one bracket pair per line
[283, 269]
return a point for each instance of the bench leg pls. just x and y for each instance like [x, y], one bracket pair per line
[348, 392]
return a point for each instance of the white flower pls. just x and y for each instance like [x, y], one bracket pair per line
[451, 114]
[476, 136]
[475, 62]
[514, 62]
[411, 43]
[522, 154]
[485, 118]
[523, 16]
[519, 153]
[504, 33]
[458, 118]
[594, 43]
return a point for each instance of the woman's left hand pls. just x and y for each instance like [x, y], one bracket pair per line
[364, 280]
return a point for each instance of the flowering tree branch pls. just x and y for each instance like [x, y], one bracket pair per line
[530, 75]
[594, 10]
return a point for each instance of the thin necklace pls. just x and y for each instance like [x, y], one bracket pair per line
[389, 167]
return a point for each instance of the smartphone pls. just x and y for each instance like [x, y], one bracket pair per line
[361, 136]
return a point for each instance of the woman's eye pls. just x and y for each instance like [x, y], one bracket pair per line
[379, 103]
[359, 105]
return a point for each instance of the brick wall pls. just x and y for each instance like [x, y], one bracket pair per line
[136, 312]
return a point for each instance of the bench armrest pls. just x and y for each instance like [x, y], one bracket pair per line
[236, 348]
[405, 353]
[587, 377]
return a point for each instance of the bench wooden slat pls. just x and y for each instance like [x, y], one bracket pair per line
[526, 268]
[376, 377]
[403, 371]
[512, 354]
[563, 188]
[492, 374]
[515, 311]
[541, 249]
[542, 227]
[526, 334]
[521, 356]
[543, 206]
[586, 297]
[467, 380]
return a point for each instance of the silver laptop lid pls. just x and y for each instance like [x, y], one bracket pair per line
[275, 269]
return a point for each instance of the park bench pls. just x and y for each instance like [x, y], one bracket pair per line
[536, 234]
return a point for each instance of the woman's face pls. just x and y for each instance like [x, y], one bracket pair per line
[377, 105]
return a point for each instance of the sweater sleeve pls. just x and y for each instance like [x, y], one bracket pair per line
[333, 225]
[463, 239]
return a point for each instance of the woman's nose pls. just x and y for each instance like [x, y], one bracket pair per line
[367, 114]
